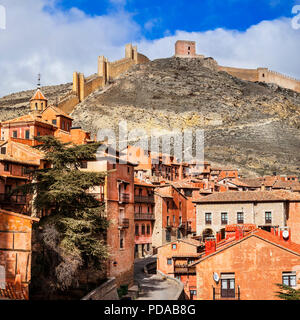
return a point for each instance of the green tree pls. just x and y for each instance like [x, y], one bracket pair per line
[72, 237]
[288, 293]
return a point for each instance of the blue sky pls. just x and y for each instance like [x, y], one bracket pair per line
[158, 18]
[57, 37]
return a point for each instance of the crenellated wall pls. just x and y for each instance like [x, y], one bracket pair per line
[107, 71]
[263, 75]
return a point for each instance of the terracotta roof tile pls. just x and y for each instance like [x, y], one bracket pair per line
[246, 196]
[38, 95]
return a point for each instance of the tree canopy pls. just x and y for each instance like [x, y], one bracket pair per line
[71, 232]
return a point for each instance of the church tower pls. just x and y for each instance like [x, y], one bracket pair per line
[38, 102]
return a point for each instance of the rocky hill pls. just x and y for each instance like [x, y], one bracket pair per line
[17, 104]
[252, 126]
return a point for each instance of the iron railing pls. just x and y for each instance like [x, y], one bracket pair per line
[124, 198]
[219, 294]
[144, 199]
[144, 216]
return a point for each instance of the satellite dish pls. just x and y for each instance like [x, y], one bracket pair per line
[216, 277]
[285, 234]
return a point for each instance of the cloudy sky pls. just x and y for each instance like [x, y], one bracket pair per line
[57, 37]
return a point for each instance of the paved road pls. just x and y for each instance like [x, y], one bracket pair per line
[153, 287]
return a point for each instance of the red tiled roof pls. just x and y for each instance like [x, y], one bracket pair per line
[250, 196]
[139, 182]
[38, 95]
[12, 293]
[262, 234]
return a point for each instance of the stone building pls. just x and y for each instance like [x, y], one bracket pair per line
[174, 259]
[118, 196]
[144, 217]
[265, 209]
[170, 215]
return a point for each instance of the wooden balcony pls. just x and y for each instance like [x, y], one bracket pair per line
[124, 198]
[144, 216]
[184, 269]
[124, 223]
[12, 199]
[144, 199]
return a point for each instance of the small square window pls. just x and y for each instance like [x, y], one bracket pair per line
[174, 246]
[15, 134]
[6, 167]
[169, 262]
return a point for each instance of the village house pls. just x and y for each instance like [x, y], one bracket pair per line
[265, 209]
[15, 255]
[118, 196]
[42, 120]
[170, 215]
[17, 162]
[174, 259]
[248, 266]
[144, 217]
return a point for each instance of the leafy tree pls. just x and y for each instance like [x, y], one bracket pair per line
[288, 293]
[71, 236]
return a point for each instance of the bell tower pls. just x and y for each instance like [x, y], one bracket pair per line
[38, 102]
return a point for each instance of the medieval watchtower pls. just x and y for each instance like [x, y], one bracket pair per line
[185, 49]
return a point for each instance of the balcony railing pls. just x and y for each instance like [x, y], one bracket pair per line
[98, 196]
[12, 199]
[144, 199]
[144, 216]
[124, 198]
[124, 223]
[184, 269]
[221, 294]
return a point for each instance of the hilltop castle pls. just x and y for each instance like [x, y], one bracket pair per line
[187, 49]
[108, 71]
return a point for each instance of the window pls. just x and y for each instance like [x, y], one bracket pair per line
[27, 134]
[193, 293]
[173, 220]
[38, 134]
[180, 206]
[224, 218]
[121, 239]
[15, 134]
[36, 106]
[114, 166]
[207, 218]
[168, 235]
[83, 164]
[289, 279]
[169, 261]
[148, 246]
[167, 206]
[3, 150]
[137, 231]
[178, 234]
[174, 246]
[54, 122]
[227, 285]
[268, 217]
[148, 229]
[168, 220]
[6, 167]
[128, 170]
[143, 229]
[63, 125]
[240, 218]
[180, 220]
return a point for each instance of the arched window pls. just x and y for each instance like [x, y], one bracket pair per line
[136, 229]
[36, 106]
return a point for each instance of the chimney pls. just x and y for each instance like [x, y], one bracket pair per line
[210, 246]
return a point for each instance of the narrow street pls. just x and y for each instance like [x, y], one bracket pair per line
[153, 286]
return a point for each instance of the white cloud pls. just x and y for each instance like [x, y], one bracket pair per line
[56, 43]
